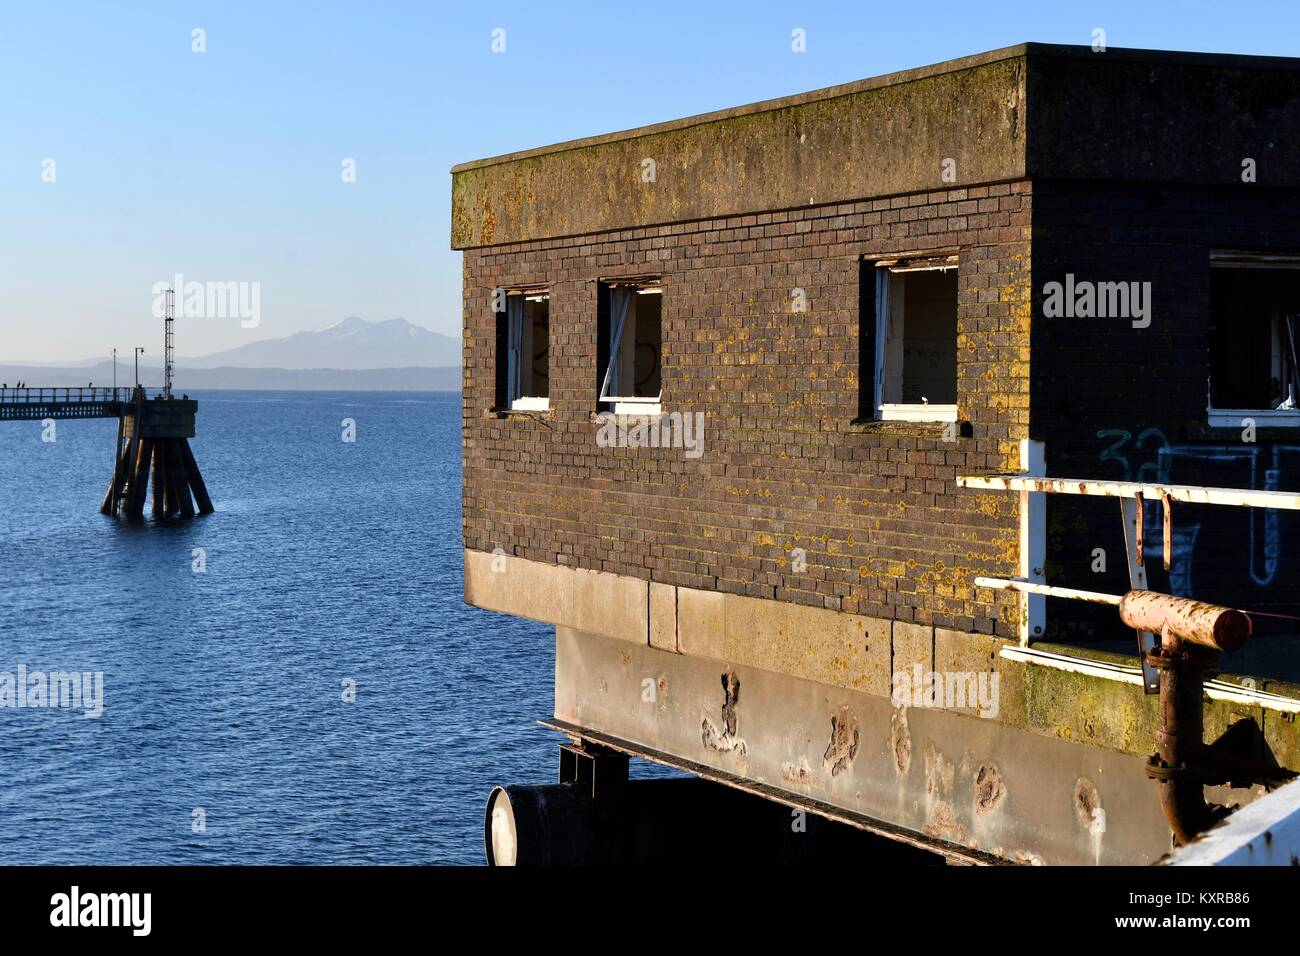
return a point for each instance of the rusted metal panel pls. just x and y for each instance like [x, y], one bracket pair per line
[1167, 519]
[1139, 526]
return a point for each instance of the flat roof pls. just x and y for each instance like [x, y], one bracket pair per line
[1236, 61]
[1024, 112]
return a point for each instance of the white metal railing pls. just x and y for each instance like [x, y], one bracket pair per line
[1265, 832]
[12, 395]
[1132, 495]
[1153, 491]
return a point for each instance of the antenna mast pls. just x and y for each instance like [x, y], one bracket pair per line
[169, 316]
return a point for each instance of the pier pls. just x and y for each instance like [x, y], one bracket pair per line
[38, 404]
[152, 459]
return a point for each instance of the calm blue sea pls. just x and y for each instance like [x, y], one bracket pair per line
[223, 691]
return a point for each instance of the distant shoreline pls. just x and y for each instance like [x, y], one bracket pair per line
[414, 379]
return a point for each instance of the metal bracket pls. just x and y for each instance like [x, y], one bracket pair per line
[1131, 509]
[602, 770]
[1167, 514]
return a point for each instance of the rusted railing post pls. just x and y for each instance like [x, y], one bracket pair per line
[1191, 632]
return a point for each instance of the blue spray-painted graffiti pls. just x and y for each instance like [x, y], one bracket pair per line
[1258, 467]
[1146, 440]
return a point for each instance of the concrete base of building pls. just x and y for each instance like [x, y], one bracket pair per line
[969, 783]
[855, 718]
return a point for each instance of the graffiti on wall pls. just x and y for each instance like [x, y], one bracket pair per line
[1149, 456]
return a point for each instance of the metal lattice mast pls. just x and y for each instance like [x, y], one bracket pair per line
[169, 316]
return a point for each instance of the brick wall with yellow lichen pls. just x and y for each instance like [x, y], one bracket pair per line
[875, 507]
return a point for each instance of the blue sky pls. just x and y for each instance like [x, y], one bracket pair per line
[225, 165]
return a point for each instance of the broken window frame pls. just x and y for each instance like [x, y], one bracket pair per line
[888, 299]
[625, 290]
[1272, 417]
[517, 335]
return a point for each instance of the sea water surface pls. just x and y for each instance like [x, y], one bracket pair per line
[225, 735]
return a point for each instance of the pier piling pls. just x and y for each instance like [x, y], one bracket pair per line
[152, 458]
[195, 479]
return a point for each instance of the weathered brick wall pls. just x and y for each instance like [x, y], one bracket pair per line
[1116, 402]
[886, 531]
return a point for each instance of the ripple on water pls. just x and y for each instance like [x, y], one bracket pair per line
[223, 691]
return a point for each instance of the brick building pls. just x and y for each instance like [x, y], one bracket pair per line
[1045, 258]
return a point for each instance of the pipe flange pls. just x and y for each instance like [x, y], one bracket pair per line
[1185, 661]
[1157, 769]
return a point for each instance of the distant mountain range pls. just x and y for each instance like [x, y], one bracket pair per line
[352, 354]
[351, 344]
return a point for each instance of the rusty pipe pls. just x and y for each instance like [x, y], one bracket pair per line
[1176, 763]
[1190, 634]
[1182, 619]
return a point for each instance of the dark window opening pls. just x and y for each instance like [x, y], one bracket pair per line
[1254, 321]
[523, 352]
[630, 342]
[914, 339]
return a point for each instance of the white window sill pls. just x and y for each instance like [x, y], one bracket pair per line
[918, 413]
[632, 405]
[638, 408]
[1233, 417]
[531, 405]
